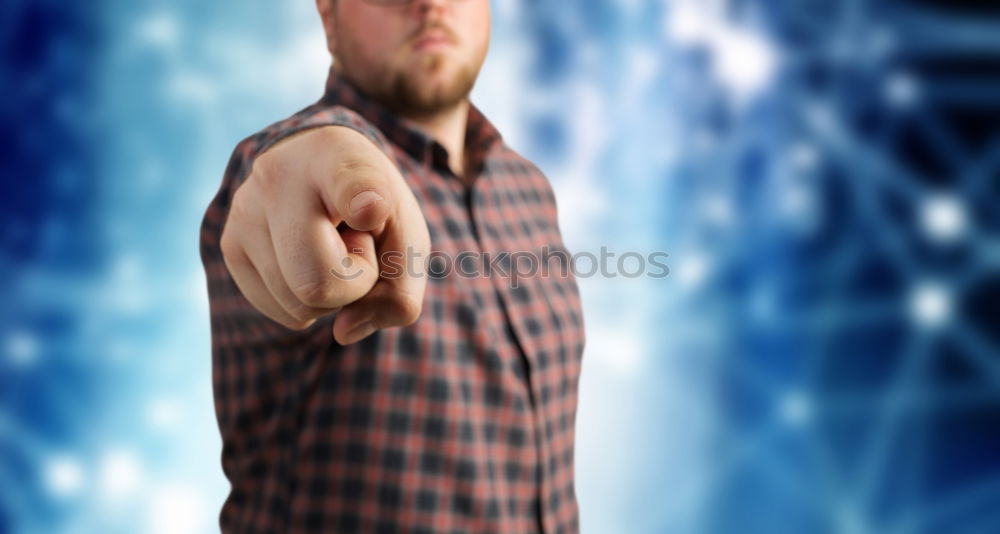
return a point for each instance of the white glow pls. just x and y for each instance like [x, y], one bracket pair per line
[295, 69]
[719, 210]
[763, 306]
[160, 29]
[164, 414]
[127, 290]
[882, 41]
[293, 73]
[692, 270]
[506, 9]
[795, 408]
[190, 86]
[745, 62]
[688, 23]
[796, 201]
[63, 476]
[705, 140]
[128, 266]
[120, 474]
[644, 64]
[177, 509]
[617, 347]
[819, 115]
[742, 60]
[930, 304]
[804, 156]
[580, 204]
[198, 291]
[22, 348]
[849, 521]
[943, 217]
[901, 90]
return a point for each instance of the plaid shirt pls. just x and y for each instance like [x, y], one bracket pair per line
[461, 422]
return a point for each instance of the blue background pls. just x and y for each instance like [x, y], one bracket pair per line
[824, 174]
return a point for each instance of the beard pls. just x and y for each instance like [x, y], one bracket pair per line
[418, 89]
[410, 93]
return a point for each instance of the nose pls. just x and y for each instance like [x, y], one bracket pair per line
[426, 7]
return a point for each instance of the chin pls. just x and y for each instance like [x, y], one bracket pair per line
[432, 83]
[441, 78]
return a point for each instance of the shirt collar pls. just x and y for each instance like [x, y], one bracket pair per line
[480, 134]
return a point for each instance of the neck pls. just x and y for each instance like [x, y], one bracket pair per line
[448, 128]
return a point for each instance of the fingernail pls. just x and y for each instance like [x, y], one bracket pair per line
[363, 200]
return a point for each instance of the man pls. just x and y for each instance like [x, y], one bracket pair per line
[356, 395]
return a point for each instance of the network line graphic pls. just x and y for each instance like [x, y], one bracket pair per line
[856, 267]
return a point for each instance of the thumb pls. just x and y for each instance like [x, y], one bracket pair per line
[366, 210]
[360, 190]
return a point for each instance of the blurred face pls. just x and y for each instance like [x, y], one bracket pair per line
[418, 58]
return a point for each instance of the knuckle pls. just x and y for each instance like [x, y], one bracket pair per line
[332, 135]
[230, 245]
[283, 319]
[266, 171]
[302, 312]
[239, 210]
[297, 324]
[360, 174]
[243, 223]
[358, 163]
[319, 292]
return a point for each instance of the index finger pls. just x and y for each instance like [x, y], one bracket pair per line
[397, 297]
[312, 254]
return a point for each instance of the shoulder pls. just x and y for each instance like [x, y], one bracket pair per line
[317, 115]
[523, 174]
[314, 116]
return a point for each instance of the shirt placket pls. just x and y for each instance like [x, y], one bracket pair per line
[479, 192]
[436, 169]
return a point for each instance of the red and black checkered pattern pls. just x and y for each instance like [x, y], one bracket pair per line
[461, 422]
